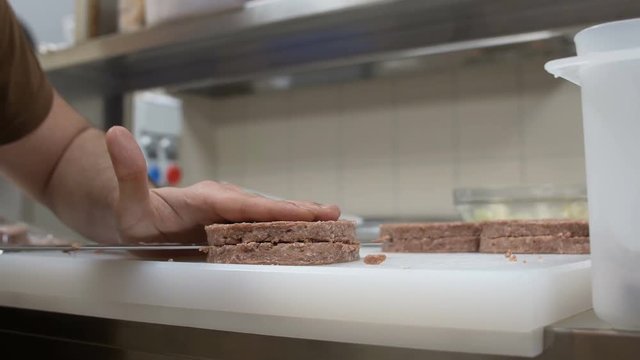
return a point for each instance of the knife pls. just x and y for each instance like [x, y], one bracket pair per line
[133, 247]
[91, 247]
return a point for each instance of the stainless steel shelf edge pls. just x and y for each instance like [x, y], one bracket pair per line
[194, 29]
[283, 36]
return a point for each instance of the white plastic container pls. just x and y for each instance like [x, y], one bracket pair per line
[607, 68]
[159, 11]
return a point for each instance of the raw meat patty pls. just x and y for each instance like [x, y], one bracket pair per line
[283, 243]
[535, 237]
[430, 237]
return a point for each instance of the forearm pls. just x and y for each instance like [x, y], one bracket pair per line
[82, 188]
[98, 185]
[64, 164]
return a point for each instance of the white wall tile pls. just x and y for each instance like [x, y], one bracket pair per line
[230, 138]
[366, 141]
[268, 145]
[368, 190]
[424, 190]
[552, 119]
[488, 112]
[424, 113]
[488, 174]
[424, 156]
[197, 150]
[315, 145]
[552, 127]
[399, 146]
[367, 121]
[564, 171]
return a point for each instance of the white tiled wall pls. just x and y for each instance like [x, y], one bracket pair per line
[315, 148]
[393, 146]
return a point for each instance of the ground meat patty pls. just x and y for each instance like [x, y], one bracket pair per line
[430, 237]
[281, 232]
[283, 243]
[375, 259]
[536, 245]
[514, 228]
[443, 245]
[295, 253]
[535, 237]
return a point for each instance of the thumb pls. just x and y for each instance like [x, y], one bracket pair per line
[131, 171]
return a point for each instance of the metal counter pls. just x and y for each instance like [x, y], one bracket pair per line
[28, 333]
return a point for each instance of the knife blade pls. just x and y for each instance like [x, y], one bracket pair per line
[91, 247]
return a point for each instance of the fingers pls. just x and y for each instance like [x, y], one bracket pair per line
[244, 207]
[131, 172]
[321, 212]
[231, 204]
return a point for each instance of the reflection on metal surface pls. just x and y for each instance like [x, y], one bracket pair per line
[27, 333]
[551, 43]
[185, 33]
[289, 36]
[585, 337]
[482, 43]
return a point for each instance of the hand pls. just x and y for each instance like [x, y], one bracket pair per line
[179, 214]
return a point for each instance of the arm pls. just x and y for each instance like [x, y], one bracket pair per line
[64, 165]
[97, 184]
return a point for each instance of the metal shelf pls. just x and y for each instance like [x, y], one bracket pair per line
[292, 36]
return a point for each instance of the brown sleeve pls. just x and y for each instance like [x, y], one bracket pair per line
[25, 94]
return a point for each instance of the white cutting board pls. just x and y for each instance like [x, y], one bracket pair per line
[476, 303]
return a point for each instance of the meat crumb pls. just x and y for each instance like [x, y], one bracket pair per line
[73, 248]
[375, 259]
[170, 260]
[513, 258]
[508, 254]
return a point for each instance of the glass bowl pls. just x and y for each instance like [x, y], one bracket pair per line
[530, 202]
